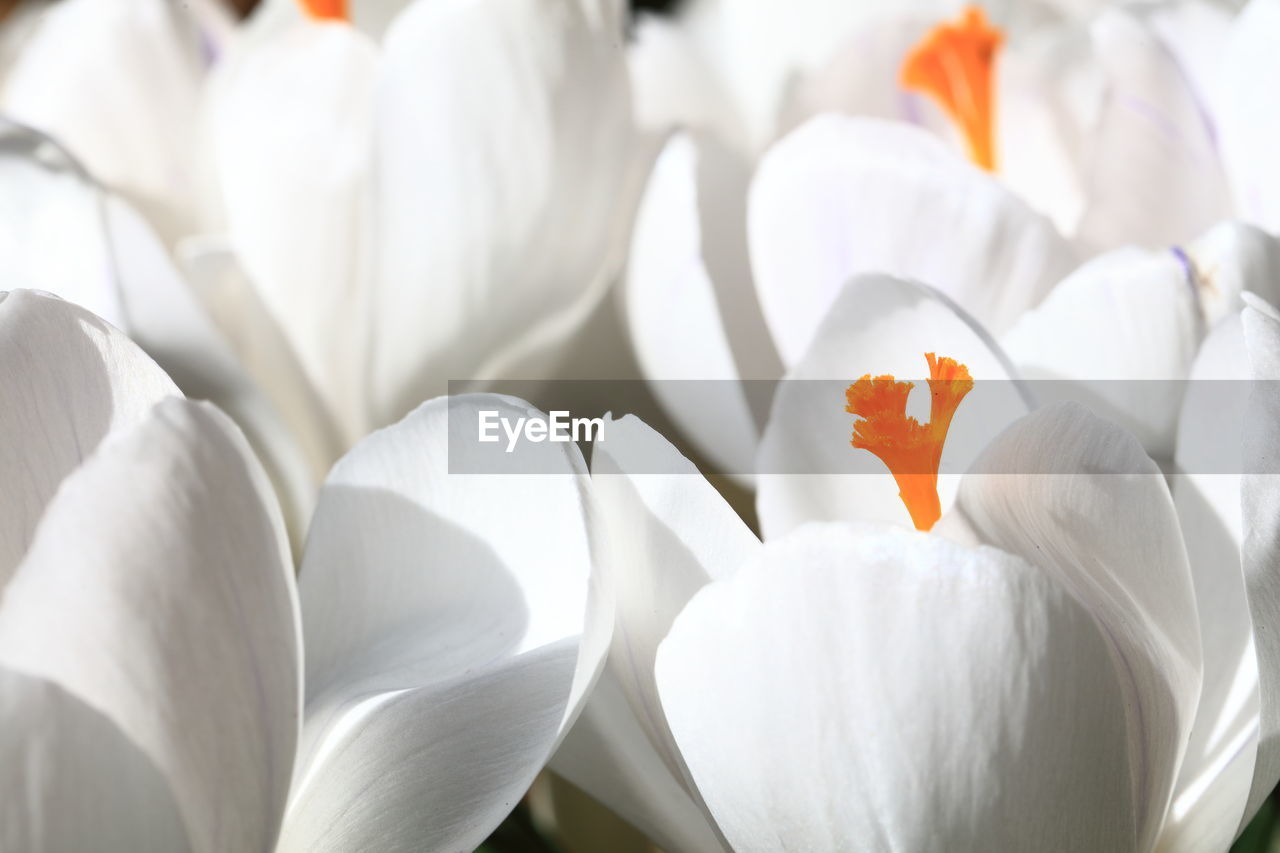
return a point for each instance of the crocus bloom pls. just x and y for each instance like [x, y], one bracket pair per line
[451, 624]
[382, 234]
[1028, 676]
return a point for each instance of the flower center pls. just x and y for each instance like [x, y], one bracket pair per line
[910, 450]
[325, 10]
[953, 64]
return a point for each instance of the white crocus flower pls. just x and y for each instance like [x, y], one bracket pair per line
[384, 235]
[119, 83]
[451, 623]
[1029, 676]
[844, 196]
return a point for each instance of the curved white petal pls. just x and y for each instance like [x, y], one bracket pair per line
[451, 611]
[608, 754]
[51, 235]
[1048, 92]
[1217, 771]
[688, 288]
[669, 533]
[1260, 509]
[842, 196]
[165, 558]
[1153, 173]
[69, 381]
[927, 695]
[879, 325]
[70, 780]
[118, 82]
[292, 126]
[1230, 259]
[171, 319]
[1250, 129]
[497, 227]
[1139, 313]
[673, 85]
[1077, 497]
[67, 234]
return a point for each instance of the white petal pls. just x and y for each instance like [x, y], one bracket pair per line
[171, 321]
[134, 126]
[669, 533]
[497, 227]
[609, 755]
[450, 610]
[1227, 261]
[688, 263]
[1048, 91]
[673, 85]
[51, 236]
[1141, 317]
[1217, 772]
[69, 780]
[927, 695]
[1250, 129]
[177, 616]
[1076, 496]
[841, 196]
[1260, 506]
[292, 130]
[1154, 177]
[69, 381]
[879, 325]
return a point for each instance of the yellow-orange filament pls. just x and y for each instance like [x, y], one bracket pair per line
[954, 64]
[325, 10]
[910, 450]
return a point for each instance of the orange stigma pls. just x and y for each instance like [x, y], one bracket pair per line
[910, 450]
[954, 65]
[325, 10]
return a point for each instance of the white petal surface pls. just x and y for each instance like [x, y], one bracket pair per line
[450, 610]
[1141, 317]
[1250, 128]
[674, 310]
[1076, 496]
[497, 226]
[51, 234]
[1217, 771]
[134, 126]
[669, 533]
[1153, 175]
[842, 196]
[177, 616]
[292, 124]
[879, 325]
[609, 755]
[67, 381]
[926, 696]
[69, 780]
[1260, 507]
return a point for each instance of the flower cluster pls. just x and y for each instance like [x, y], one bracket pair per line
[968, 316]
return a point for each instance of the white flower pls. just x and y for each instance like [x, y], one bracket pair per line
[152, 676]
[450, 202]
[1029, 679]
[844, 196]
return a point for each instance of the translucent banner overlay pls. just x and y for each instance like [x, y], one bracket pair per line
[801, 427]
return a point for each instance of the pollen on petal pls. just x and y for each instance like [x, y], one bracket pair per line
[325, 10]
[912, 451]
[954, 64]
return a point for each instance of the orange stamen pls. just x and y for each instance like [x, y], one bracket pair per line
[954, 64]
[325, 10]
[912, 451]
